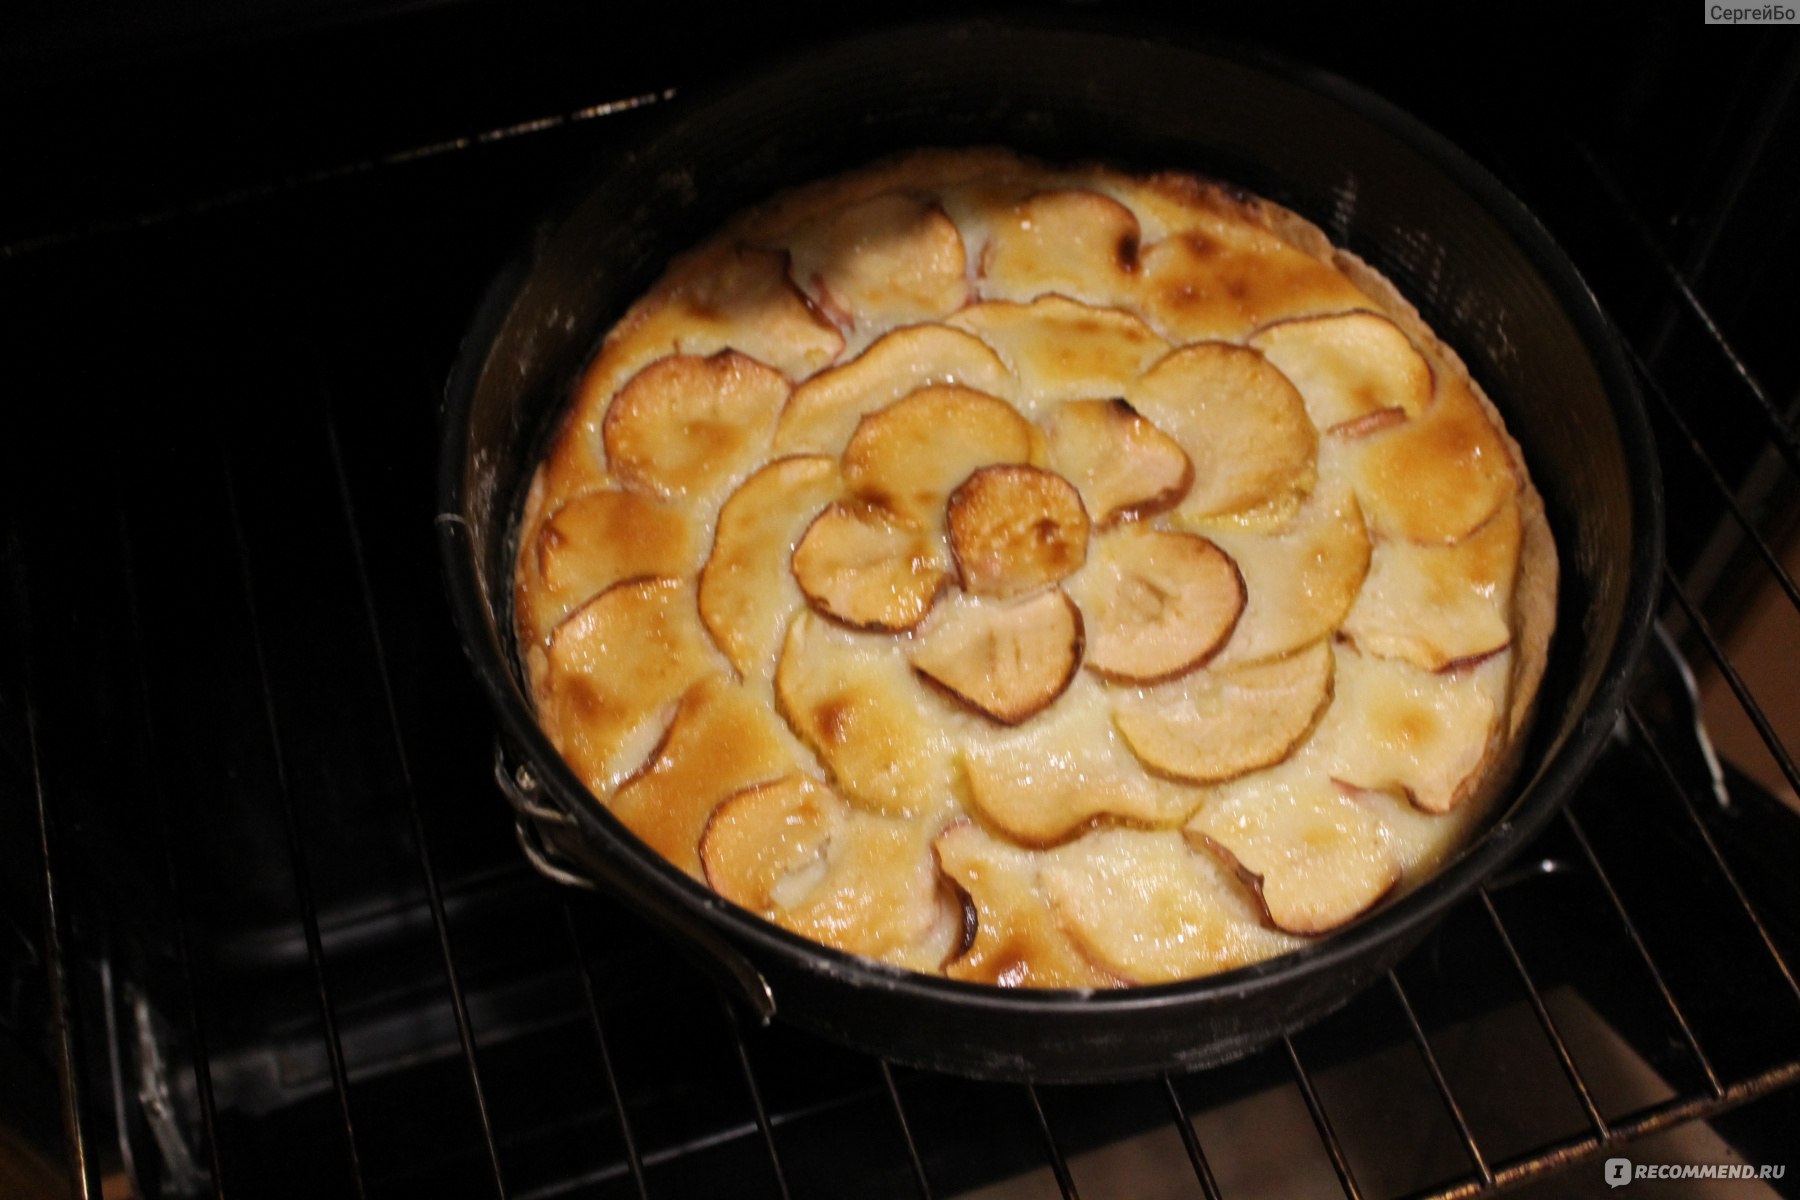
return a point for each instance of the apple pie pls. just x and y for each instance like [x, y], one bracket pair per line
[1040, 576]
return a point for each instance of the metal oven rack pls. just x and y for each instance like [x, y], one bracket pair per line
[276, 940]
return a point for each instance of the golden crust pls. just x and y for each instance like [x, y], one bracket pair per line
[1012, 305]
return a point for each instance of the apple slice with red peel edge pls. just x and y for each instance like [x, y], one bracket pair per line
[854, 700]
[1437, 478]
[868, 569]
[1313, 856]
[596, 540]
[1240, 421]
[1157, 604]
[793, 852]
[1214, 725]
[747, 588]
[1062, 349]
[1149, 909]
[908, 456]
[1014, 529]
[722, 738]
[1438, 606]
[888, 259]
[1075, 242]
[692, 427]
[822, 413]
[1005, 661]
[617, 664]
[1348, 367]
[1300, 581]
[1018, 941]
[1124, 467]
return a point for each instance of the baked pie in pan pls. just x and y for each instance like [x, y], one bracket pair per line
[1041, 576]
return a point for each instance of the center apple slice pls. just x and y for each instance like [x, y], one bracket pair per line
[1005, 661]
[1014, 529]
[1157, 604]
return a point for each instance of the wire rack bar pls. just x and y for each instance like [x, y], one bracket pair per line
[1209, 1186]
[1470, 1146]
[1340, 1163]
[1739, 688]
[1059, 1162]
[632, 1159]
[1548, 1023]
[1637, 940]
[1654, 752]
[309, 911]
[755, 1091]
[434, 894]
[912, 1144]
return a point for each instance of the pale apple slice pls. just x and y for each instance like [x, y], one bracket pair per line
[747, 588]
[614, 668]
[723, 738]
[889, 259]
[1157, 604]
[1149, 909]
[1212, 725]
[692, 427]
[1240, 421]
[1046, 779]
[1438, 478]
[1005, 661]
[1076, 242]
[1313, 856]
[1124, 467]
[867, 568]
[596, 540]
[822, 413]
[1014, 529]
[1440, 606]
[1018, 941]
[908, 456]
[1226, 281]
[1062, 349]
[793, 852]
[1301, 581]
[854, 700]
[1425, 735]
[1350, 368]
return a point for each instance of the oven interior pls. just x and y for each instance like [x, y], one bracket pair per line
[264, 929]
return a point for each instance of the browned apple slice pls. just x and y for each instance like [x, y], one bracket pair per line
[1044, 780]
[1437, 606]
[747, 588]
[854, 699]
[612, 671]
[596, 540]
[723, 738]
[1123, 466]
[882, 261]
[1005, 661]
[1422, 734]
[1015, 528]
[791, 851]
[1076, 242]
[822, 413]
[1225, 281]
[1062, 349]
[692, 427]
[1213, 725]
[909, 455]
[1436, 478]
[867, 568]
[1018, 940]
[1313, 856]
[1240, 421]
[1349, 368]
[1157, 604]
[1149, 909]
[1301, 581]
